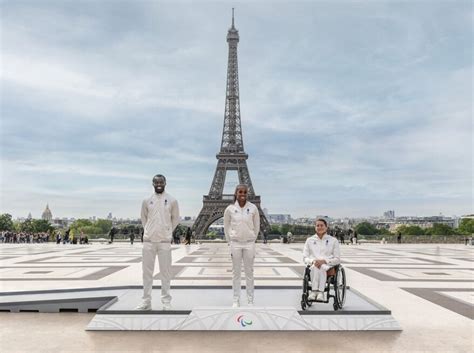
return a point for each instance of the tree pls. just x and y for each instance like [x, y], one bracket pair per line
[384, 231]
[27, 226]
[101, 226]
[181, 229]
[78, 223]
[6, 222]
[440, 229]
[467, 226]
[365, 228]
[411, 230]
[104, 224]
[41, 225]
[35, 226]
[212, 234]
[90, 230]
[275, 229]
[285, 228]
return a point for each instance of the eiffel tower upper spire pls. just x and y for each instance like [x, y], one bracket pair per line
[232, 17]
[232, 141]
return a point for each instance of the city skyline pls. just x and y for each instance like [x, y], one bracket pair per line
[348, 109]
[111, 216]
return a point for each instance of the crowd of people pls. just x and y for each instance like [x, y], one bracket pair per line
[24, 237]
[11, 237]
[343, 234]
[178, 237]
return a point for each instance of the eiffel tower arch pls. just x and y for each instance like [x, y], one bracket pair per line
[232, 156]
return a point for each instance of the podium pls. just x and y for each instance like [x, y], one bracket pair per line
[205, 308]
[276, 309]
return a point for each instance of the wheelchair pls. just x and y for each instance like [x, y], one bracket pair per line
[336, 281]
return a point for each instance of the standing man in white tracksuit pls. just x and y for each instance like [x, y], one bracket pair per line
[241, 227]
[321, 251]
[160, 216]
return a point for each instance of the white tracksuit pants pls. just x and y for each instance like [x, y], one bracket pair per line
[150, 251]
[246, 252]
[319, 277]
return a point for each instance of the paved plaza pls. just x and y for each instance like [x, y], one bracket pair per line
[427, 287]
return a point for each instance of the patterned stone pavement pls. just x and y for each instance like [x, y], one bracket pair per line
[427, 286]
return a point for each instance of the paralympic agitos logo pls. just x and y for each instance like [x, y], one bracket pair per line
[244, 322]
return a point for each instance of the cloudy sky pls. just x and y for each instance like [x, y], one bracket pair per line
[349, 108]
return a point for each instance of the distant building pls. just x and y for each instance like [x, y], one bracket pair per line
[47, 215]
[422, 222]
[467, 216]
[110, 217]
[390, 214]
[304, 221]
[217, 228]
[60, 223]
[29, 216]
[279, 218]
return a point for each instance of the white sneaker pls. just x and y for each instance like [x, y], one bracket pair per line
[144, 306]
[236, 304]
[166, 306]
[312, 295]
[320, 296]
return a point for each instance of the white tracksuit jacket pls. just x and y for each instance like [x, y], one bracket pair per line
[241, 224]
[326, 248]
[160, 216]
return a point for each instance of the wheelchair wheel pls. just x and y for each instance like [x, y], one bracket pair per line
[340, 288]
[303, 304]
[306, 290]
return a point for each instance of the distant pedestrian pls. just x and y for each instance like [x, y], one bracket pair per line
[66, 236]
[188, 236]
[399, 238]
[132, 236]
[265, 236]
[112, 233]
[176, 236]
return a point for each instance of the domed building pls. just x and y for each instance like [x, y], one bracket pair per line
[47, 214]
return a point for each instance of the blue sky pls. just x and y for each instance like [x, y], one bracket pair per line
[349, 108]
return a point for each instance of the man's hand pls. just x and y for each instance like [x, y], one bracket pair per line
[318, 263]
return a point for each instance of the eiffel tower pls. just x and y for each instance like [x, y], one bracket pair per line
[232, 155]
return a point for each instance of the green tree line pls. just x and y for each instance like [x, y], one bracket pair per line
[88, 227]
[466, 227]
[103, 226]
[295, 229]
[29, 225]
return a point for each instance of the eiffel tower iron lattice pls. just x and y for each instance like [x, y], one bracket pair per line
[232, 155]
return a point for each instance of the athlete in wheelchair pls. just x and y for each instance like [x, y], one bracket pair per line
[323, 272]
